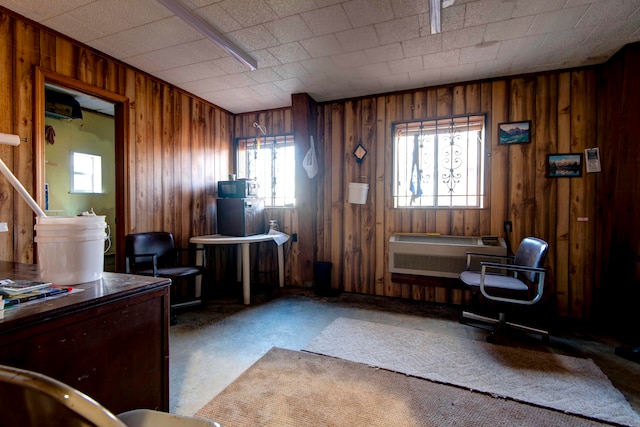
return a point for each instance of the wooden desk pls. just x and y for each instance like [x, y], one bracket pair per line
[109, 340]
[244, 255]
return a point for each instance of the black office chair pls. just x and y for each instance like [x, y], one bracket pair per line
[512, 280]
[155, 254]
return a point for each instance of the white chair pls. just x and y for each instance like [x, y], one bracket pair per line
[30, 399]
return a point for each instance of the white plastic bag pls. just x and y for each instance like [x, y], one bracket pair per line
[310, 162]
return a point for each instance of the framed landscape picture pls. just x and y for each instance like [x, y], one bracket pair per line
[514, 133]
[564, 165]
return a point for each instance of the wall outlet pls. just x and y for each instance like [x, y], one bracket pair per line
[294, 237]
[508, 227]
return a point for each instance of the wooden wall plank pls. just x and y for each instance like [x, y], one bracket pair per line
[562, 198]
[546, 133]
[6, 126]
[26, 57]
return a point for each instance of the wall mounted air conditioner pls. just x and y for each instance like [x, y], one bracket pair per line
[61, 105]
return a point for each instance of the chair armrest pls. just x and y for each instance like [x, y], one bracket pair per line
[515, 268]
[471, 255]
[154, 260]
[511, 267]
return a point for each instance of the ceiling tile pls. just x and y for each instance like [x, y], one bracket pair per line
[135, 13]
[528, 7]
[453, 18]
[458, 73]
[483, 12]
[230, 65]
[289, 29]
[292, 85]
[290, 52]
[254, 38]
[509, 29]
[190, 73]
[483, 52]
[150, 37]
[74, 28]
[462, 38]
[289, 71]
[524, 46]
[406, 65]
[266, 89]
[327, 20]
[404, 8]
[44, 10]
[442, 59]
[179, 55]
[564, 19]
[422, 46]
[359, 38]
[398, 30]
[249, 12]
[609, 11]
[284, 8]
[391, 52]
[368, 12]
[219, 18]
[351, 59]
[322, 46]
[425, 77]
[264, 75]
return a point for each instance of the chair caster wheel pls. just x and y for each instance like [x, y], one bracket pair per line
[491, 339]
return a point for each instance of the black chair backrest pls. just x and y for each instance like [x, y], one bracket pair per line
[532, 252]
[160, 243]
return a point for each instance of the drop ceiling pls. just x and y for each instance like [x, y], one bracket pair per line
[335, 49]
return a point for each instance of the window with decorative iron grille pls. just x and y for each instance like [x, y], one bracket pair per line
[270, 160]
[439, 163]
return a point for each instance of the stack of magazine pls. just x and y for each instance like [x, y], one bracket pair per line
[20, 291]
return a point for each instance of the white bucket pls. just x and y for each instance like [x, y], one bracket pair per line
[70, 249]
[358, 193]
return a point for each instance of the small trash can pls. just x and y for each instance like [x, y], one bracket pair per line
[322, 279]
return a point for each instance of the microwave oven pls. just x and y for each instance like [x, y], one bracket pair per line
[237, 189]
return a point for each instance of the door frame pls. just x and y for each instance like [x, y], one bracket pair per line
[121, 104]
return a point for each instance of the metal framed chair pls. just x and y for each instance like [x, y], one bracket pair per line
[513, 280]
[31, 399]
[155, 254]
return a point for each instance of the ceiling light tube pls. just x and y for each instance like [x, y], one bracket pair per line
[434, 12]
[210, 32]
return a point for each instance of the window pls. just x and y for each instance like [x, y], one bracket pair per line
[86, 173]
[270, 160]
[439, 163]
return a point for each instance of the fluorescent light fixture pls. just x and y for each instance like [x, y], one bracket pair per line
[209, 31]
[435, 8]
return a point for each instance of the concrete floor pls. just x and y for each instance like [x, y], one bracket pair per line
[212, 345]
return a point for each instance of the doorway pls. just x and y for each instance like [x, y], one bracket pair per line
[80, 158]
[79, 140]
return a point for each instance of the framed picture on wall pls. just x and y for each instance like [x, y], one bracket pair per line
[567, 165]
[514, 133]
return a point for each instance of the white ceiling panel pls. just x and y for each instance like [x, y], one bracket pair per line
[336, 49]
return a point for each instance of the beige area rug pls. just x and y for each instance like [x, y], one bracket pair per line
[568, 384]
[290, 388]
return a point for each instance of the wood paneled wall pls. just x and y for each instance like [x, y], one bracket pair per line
[618, 248]
[354, 238]
[562, 108]
[176, 146]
